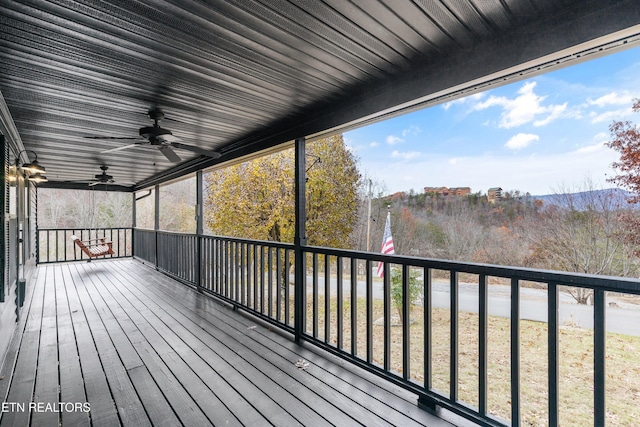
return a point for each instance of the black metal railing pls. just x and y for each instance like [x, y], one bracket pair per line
[457, 334]
[56, 245]
[256, 275]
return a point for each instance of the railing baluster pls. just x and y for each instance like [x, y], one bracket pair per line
[354, 306]
[387, 316]
[369, 298]
[427, 317]
[327, 298]
[262, 271]
[287, 284]
[453, 356]
[599, 355]
[552, 324]
[483, 306]
[340, 308]
[226, 269]
[255, 277]
[515, 352]
[406, 323]
[279, 285]
[315, 294]
[270, 280]
[243, 272]
[237, 259]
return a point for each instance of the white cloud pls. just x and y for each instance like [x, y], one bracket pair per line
[612, 98]
[408, 155]
[521, 140]
[411, 131]
[393, 140]
[373, 144]
[590, 148]
[449, 104]
[454, 160]
[601, 136]
[524, 108]
[609, 116]
[556, 112]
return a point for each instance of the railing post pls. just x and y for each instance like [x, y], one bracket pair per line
[300, 237]
[599, 357]
[199, 229]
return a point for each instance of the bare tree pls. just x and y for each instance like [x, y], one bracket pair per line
[581, 232]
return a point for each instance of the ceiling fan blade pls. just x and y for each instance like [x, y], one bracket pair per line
[124, 147]
[169, 153]
[208, 153]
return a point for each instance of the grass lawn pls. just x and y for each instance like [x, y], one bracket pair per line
[576, 363]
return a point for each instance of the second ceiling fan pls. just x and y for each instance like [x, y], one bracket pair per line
[161, 138]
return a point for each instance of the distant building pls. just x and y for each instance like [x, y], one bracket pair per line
[494, 194]
[460, 191]
[446, 191]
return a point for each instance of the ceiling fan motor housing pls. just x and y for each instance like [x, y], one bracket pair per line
[103, 177]
[152, 132]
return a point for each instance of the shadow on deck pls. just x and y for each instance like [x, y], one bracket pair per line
[115, 342]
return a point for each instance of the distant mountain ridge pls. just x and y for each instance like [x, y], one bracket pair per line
[580, 199]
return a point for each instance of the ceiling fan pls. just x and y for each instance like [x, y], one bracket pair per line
[161, 138]
[105, 178]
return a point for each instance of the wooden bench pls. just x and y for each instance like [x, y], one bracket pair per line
[95, 247]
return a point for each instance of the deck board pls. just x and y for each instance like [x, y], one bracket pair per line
[71, 382]
[238, 346]
[103, 409]
[143, 349]
[372, 402]
[24, 374]
[128, 405]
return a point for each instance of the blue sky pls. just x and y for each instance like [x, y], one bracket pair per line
[539, 135]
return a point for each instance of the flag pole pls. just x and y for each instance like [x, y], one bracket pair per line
[369, 218]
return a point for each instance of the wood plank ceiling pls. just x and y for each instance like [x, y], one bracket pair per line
[240, 75]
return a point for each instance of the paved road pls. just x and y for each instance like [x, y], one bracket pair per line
[624, 319]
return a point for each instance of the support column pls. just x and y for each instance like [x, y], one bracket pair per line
[133, 223]
[300, 237]
[3, 216]
[199, 228]
[156, 219]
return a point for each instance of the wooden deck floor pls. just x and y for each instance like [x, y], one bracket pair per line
[137, 348]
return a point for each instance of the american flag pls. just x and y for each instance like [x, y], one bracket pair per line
[387, 244]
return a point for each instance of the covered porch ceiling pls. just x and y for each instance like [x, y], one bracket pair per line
[241, 76]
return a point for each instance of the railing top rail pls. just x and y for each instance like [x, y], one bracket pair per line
[252, 242]
[619, 284]
[83, 228]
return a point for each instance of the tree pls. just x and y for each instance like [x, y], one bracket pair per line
[416, 289]
[626, 140]
[581, 233]
[255, 199]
